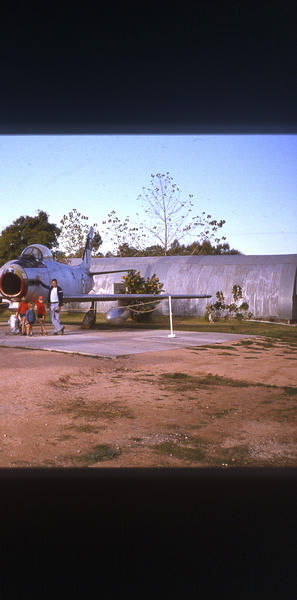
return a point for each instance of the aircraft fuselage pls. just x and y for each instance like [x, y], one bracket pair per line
[18, 279]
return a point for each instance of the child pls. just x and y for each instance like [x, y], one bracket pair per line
[40, 309]
[23, 307]
[30, 318]
[14, 324]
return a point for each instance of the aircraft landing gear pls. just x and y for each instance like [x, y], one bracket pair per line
[89, 319]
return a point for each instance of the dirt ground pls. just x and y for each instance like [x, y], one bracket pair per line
[229, 405]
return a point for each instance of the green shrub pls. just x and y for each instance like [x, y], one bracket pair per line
[234, 310]
[141, 310]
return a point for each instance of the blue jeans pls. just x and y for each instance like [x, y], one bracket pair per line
[55, 316]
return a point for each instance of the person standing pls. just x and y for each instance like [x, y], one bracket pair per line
[21, 311]
[55, 299]
[30, 318]
[41, 312]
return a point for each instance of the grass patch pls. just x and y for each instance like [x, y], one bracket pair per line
[284, 414]
[175, 375]
[214, 346]
[290, 391]
[198, 348]
[64, 437]
[196, 324]
[258, 345]
[228, 348]
[222, 413]
[183, 382]
[46, 463]
[230, 456]
[85, 428]
[67, 381]
[80, 408]
[191, 381]
[265, 345]
[98, 453]
[200, 425]
[147, 374]
[220, 347]
[254, 351]
[182, 452]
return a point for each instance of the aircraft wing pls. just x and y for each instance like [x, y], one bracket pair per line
[108, 272]
[113, 297]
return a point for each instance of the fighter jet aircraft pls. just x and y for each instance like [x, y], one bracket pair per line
[32, 272]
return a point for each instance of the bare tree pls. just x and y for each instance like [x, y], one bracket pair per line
[74, 230]
[123, 234]
[170, 215]
[169, 220]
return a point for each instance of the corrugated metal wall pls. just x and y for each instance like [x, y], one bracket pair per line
[268, 282]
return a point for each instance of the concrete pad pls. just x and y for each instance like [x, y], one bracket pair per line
[116, 343]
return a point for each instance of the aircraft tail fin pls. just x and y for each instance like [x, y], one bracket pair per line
[88, 249]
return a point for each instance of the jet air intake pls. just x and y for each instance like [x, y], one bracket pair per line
[13, 282]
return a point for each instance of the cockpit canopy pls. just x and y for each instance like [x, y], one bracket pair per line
[37, 252]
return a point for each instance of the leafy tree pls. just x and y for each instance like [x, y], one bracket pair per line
[154, 250]
[74, 230]
[27, 230]
[197, 248]
[126, 250]
[176, 249]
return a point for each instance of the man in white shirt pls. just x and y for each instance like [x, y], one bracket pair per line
[56, 301]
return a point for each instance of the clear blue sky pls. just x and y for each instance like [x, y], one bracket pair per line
[248, 180]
